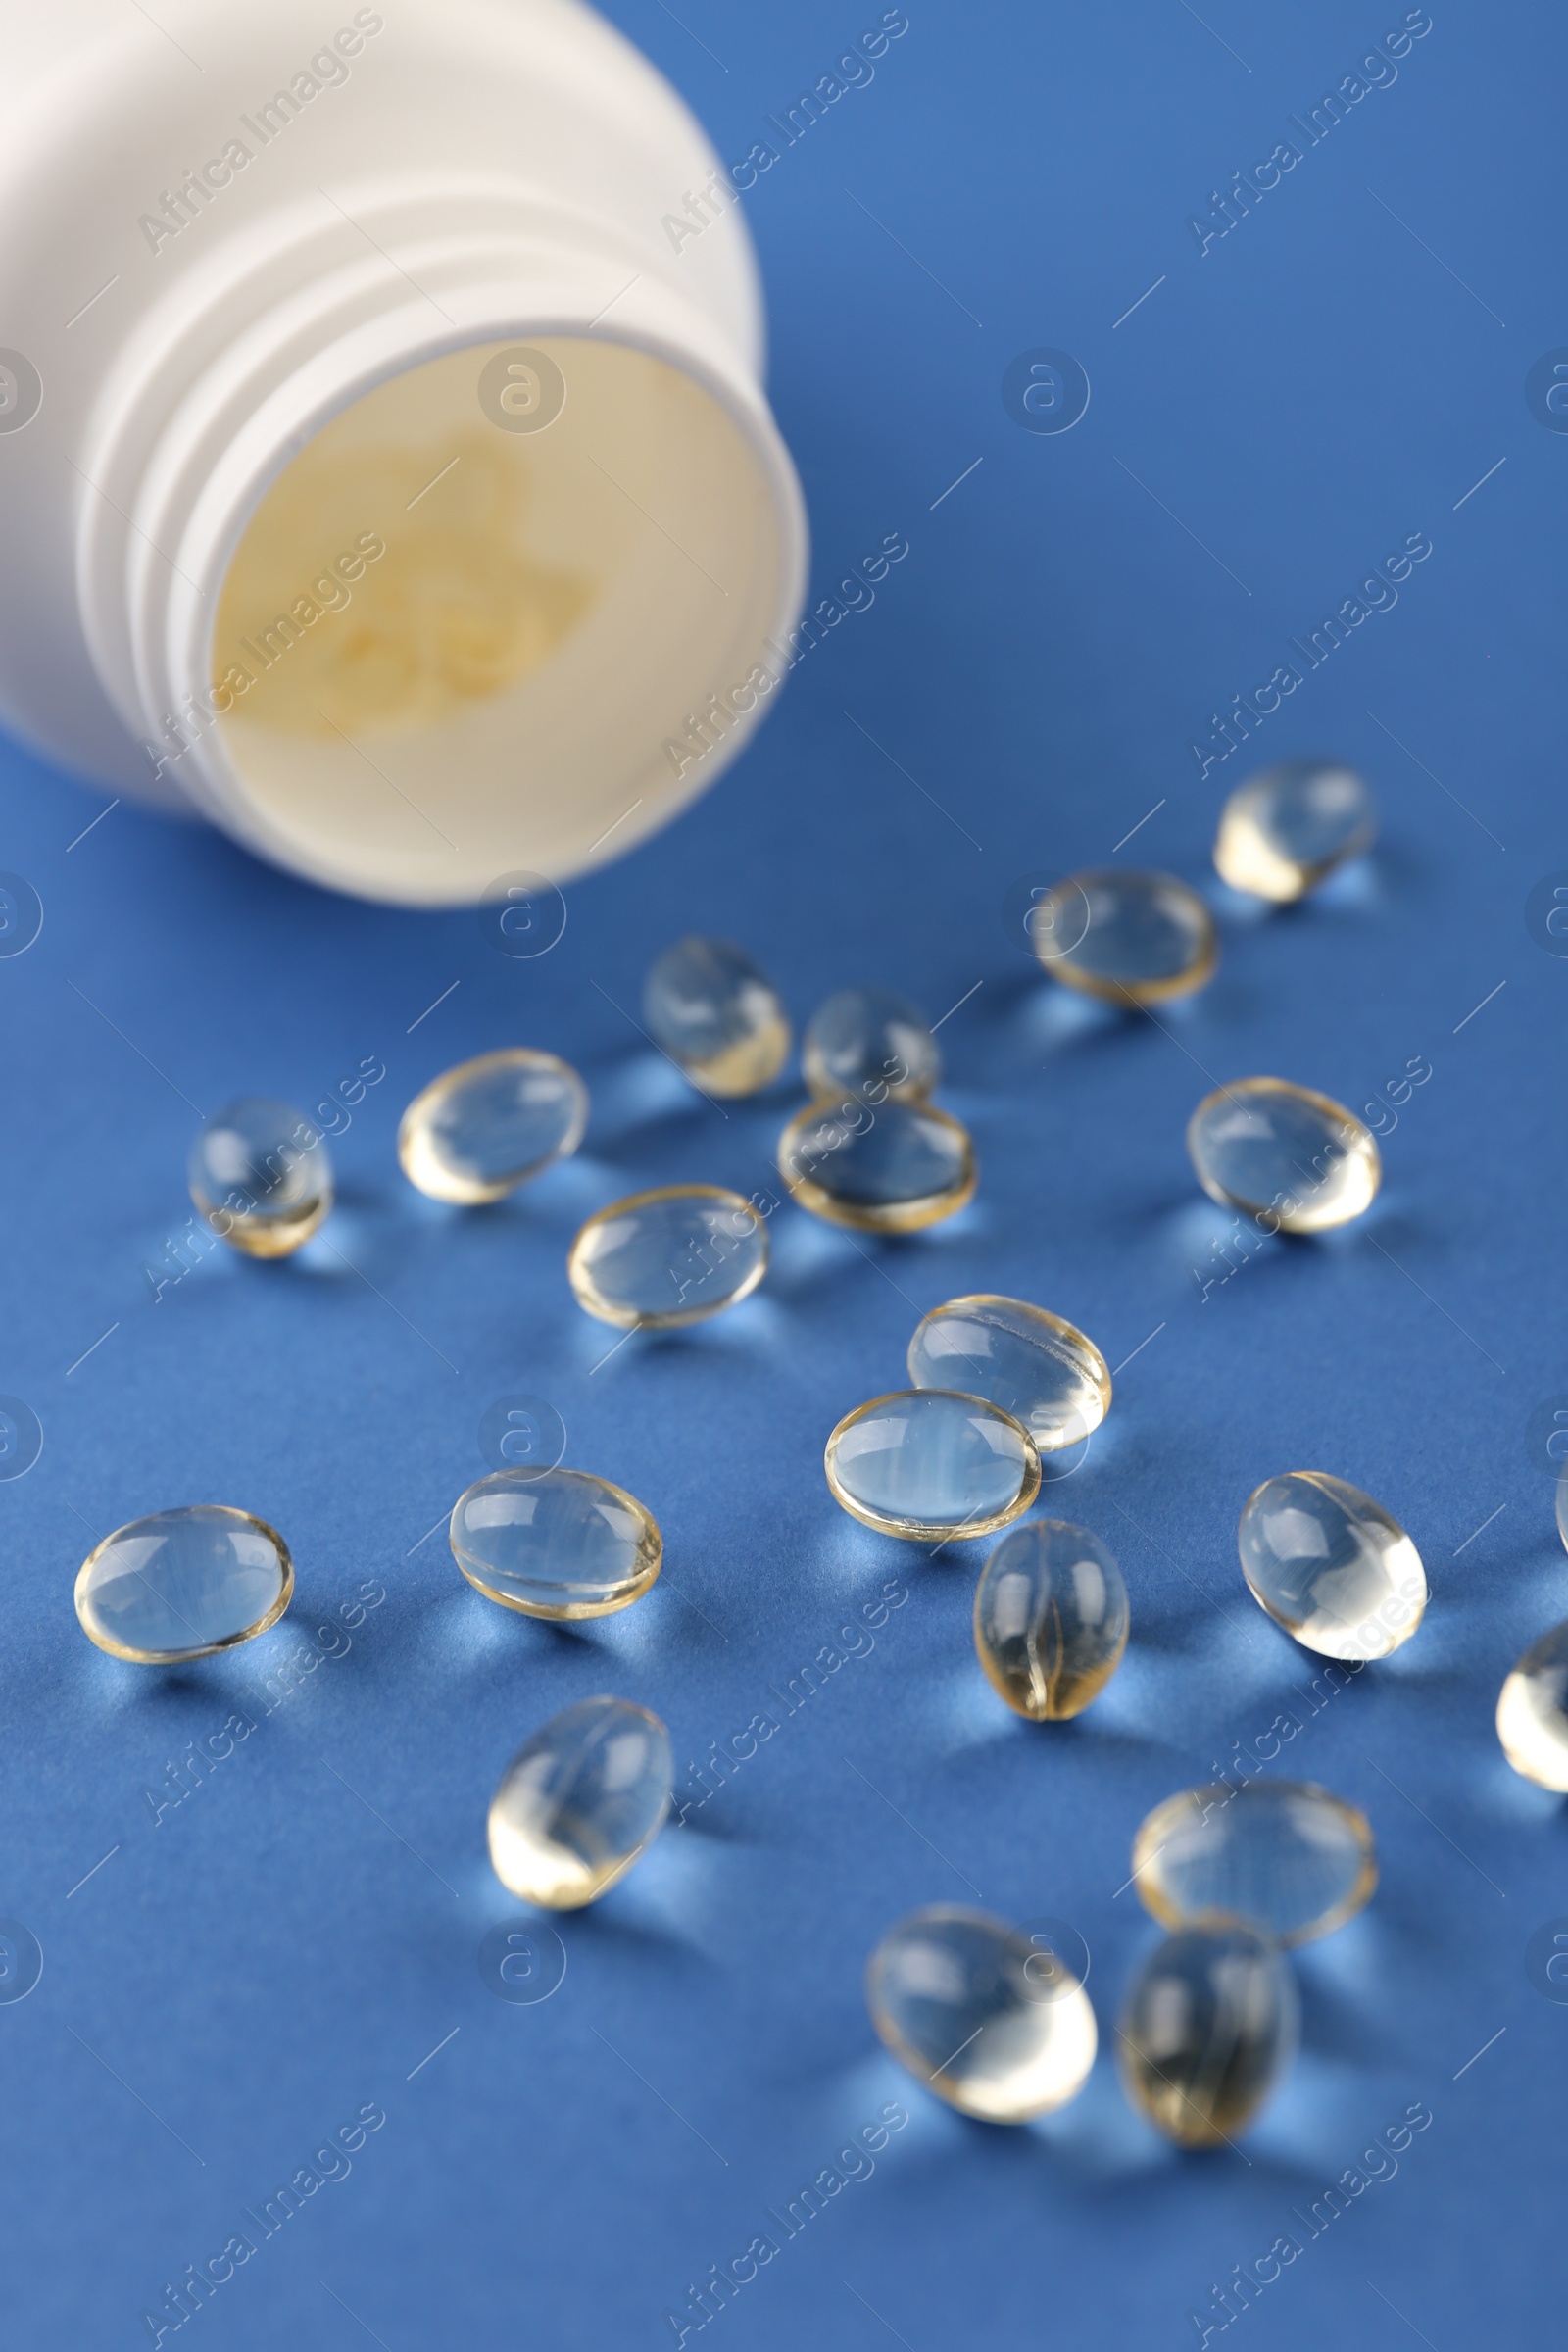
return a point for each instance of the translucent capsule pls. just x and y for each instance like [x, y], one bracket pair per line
[261, 1176]
[556, 1544]
[928, 1463]
[967, 2004]
[661, 1258]
[1533, 1712]
[1297, 1161]
[887, 1170]
[182, 1583]
[1050, 1619]
[478, 1131]
[1283, 831]
[1209, 2026]
[1040, 1370]
[581, 1801]
[1331, 1566]
[1135, 938]
[711, 1010]
[1287, 1857]
[869, 1043]
[1562, 1502]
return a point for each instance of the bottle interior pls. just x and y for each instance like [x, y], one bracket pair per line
[465, 625]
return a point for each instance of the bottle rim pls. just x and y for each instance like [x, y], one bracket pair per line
[252, 385]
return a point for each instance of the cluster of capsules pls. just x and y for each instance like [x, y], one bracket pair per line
[994, 2018]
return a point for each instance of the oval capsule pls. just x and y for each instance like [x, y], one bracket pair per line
[1039, 1368]
[1209, 2026]
[663, 1258]
[581, 1801]
[484, 1127]
[261, 1175]
[556, 1544]
[1287, 1857]
[1289, 828]
[1297, 1161]
[868, 1042]
[183, 1583]
[892, 1169]
[959, 1998]
[927, 1464]
[717, 1015]
[1331, 1566]
[1050, 1619]
[1533, 1712]
[1132, 938]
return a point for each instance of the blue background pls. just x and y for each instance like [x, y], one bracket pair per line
[290, 1942]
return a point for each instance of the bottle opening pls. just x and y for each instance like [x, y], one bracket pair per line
[469, 627]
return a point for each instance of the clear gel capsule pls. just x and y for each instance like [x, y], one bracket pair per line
[928, 1463]
[1562, 1502]
[715, 1013]
[556, 1544]
[1050, 1619]
[1285, 830]
[866, 1041]
[1134, 938]
[261, 1176]
[1287, 1857]
[975, 2013]
[182, 1583]
[1037, 1367]
[1533, 1712]
[581, 1801]
[478, 1131]
[892, 1169]
[1209, 2026]
[1331, 1566]
[661, 1258]
[1297, 1161]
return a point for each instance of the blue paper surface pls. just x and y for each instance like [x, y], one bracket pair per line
[293, 1948]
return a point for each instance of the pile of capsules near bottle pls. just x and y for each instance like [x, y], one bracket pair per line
[992, 2018]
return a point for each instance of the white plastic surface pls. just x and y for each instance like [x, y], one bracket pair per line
[463, 174]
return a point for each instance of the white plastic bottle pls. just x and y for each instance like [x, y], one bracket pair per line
[379, 477]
